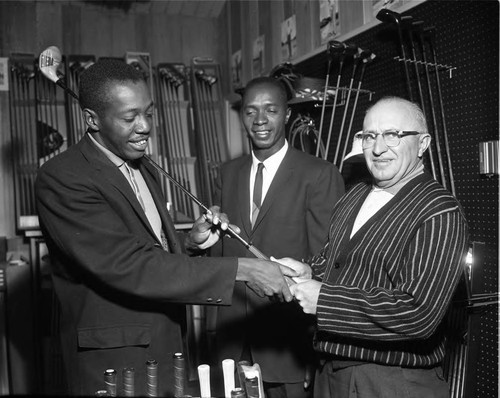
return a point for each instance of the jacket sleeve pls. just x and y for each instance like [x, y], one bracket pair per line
[324, 194]
[97, 239]
[414, 306]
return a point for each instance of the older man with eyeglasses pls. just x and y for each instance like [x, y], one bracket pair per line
[382, 284]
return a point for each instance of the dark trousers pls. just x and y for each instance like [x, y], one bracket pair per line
[286, 390]
[379, 381]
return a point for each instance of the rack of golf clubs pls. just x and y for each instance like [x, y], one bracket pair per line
[38, 131]
[37, 119]
[419, 60]
[189, 121]
[208, 106]
[351, 62]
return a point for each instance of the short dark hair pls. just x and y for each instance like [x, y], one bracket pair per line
[272, 81]
[95, 80]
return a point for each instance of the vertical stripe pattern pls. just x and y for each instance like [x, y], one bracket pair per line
[385, 291]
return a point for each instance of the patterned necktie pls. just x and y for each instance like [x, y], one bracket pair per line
[257, 193]
[135, 187]
[164, 242]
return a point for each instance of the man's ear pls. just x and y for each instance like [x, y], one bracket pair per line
[288, 113]
[423, 144]
[91, 119]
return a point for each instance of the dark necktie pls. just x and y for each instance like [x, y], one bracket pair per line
[257, 193]
[135, 186]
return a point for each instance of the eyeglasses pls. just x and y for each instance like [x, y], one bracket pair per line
[391, 137]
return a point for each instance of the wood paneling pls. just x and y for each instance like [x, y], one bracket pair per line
[266, 29]
[277, 13]
[19, 28]
[351, 15]
[304, 33]
[198, 38]
[234, 26]
[48, 32]
[71, 26]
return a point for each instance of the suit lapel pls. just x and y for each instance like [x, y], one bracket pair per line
[244, 196]
[278, 184]
[107, 170]
[167, 224]
[104, 168]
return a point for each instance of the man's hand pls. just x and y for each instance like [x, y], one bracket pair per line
[206, 230]
[309, 375]
[304, 271]
[265, 278]
[307, 293]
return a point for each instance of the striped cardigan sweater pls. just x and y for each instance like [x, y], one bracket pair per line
[385, 290]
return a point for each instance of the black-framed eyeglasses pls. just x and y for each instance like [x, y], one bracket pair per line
[391, 137]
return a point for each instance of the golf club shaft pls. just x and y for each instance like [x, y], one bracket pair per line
[346, 108]
[257, 253]
[325, 93]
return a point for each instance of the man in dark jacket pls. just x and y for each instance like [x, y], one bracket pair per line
[118, 270]
[296, 201]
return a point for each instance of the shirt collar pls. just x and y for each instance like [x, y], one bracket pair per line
[394, 189]
[116, 160]
[272, 162]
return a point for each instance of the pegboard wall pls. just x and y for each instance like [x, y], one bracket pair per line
[467, 38]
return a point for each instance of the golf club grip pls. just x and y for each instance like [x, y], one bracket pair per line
[256, 252]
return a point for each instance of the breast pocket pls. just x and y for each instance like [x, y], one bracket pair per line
[114, 336]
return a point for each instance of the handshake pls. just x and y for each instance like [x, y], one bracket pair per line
[283, 279]
[280, 279]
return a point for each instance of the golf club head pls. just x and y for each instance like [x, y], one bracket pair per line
[284, 69]
[370, 58]
[365, 55]
[335, 48]
[206, 78]
[388, 16]
[49, 62]
[173, 75]
[351, 49]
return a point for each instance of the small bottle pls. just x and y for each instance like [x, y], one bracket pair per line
[179, 372]
[128, 375]
[228, 373]
[252, 387]
[238, 392]
[241, 372]
[110, 382]
[204, 378]
[152, 378]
